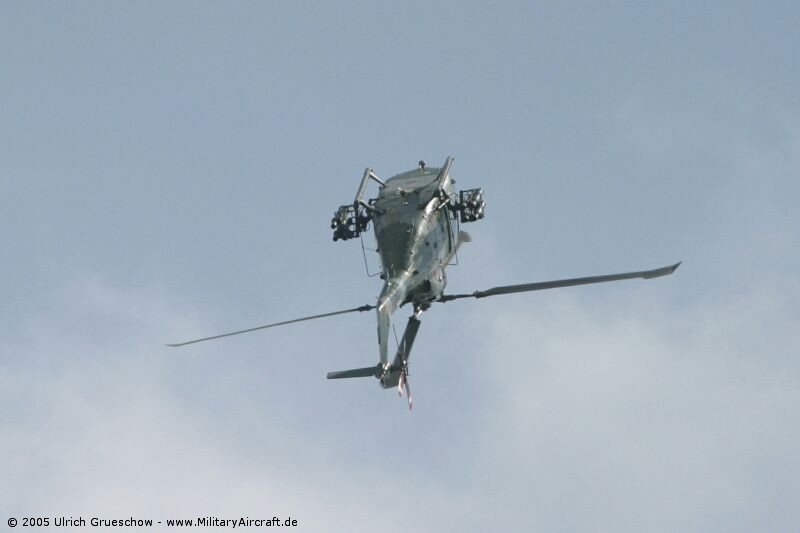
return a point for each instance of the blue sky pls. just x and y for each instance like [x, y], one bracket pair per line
[169, 171]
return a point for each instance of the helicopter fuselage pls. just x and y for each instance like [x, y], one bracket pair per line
[417, 237]
[416, 218]
[415, 233]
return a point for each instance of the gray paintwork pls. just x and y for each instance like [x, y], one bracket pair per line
[416, 239]
[416, 217]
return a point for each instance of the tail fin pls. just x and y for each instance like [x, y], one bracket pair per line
[370, 371]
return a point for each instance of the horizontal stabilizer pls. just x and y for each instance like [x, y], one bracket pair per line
[370, 371]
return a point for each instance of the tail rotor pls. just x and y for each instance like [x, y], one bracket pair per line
[396, 374]
[404, 386]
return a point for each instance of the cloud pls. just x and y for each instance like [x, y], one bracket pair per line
[647, 417]
[642, 418]
[100, 421]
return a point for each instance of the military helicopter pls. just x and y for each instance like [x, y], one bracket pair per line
[417, 217]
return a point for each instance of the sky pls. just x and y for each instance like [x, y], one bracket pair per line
[168, 171]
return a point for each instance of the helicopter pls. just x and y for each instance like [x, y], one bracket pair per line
[417, 217]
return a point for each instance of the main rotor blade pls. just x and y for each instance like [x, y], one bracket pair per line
[312, 317]
[525, 287]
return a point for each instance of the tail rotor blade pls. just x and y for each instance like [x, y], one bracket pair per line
[404, 389]
[409, 396]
